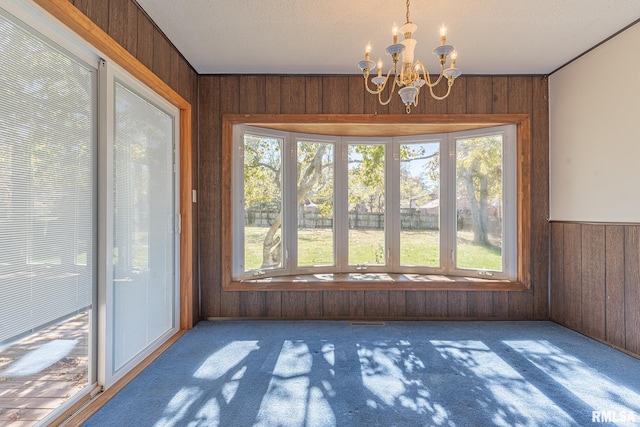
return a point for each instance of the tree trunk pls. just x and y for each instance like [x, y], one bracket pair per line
[272, 245]
[479, 215]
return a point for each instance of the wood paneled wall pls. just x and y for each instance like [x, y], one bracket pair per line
[220, 94]
[595, 281]
[128, 25]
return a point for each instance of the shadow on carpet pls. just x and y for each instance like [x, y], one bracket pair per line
[303, 373]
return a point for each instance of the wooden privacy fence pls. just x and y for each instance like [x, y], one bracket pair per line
[410, 220]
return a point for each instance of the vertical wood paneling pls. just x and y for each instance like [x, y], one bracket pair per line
[356, 97]
[500, 95]
[209, 202]
[480, 304]
[274, 304]
[457, 100]
[293, 95]
[371, 104]
[632, 288]
[540, 197]
[376, 304]
[500, 307]
[273, 95]
[457, 304]
[614, 294]
[436, 304]
[573, 275]
[313, 304]
[356, 304]
[97, 11]
[145, 40]
[174, 68]
[253, 304]
[395, 105]
[438, 107]
[123, 24]
[479, 95]
[416, 303]
[334, 100]
[252, 94]
[313, 98]
[335, 304]
[293, 304]
[593, 281]
[161, 56]
[397, 304]
[557, 272]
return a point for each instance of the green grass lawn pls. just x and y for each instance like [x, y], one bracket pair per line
[420, 248]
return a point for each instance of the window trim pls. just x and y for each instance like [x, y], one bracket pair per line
[357, 125]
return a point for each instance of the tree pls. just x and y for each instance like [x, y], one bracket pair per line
[263, 187]
[263, 162]
[479, 179]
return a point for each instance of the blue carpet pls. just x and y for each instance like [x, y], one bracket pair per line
[303, 373]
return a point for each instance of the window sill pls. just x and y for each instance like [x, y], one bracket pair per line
[374, 282]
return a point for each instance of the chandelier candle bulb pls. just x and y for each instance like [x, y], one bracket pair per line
[443, 35]
[454, 56]
[367, 52]
[395, 33]
[379, 67]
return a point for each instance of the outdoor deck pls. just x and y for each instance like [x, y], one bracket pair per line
[40, 381]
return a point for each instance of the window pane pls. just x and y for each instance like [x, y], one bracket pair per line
[47, 224]
[262, 202]
[315, 203]
[420, 204]
[479, 203]
[366, 195]
[143, 235]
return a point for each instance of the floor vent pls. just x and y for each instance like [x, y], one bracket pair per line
[368, 323]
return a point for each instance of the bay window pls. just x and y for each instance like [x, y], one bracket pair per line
[442, 204]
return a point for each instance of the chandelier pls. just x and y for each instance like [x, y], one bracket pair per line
[409, 77]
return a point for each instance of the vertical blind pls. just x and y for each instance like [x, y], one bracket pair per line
[47, 184]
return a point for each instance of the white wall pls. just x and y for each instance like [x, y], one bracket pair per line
[594, 106]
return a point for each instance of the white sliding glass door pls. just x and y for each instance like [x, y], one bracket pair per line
[144, 285]
[48, 169]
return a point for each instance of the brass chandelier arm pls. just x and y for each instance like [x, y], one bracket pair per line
[372, 92]
[427, 77]
[393, 88]
[383, 86]
[440, 98]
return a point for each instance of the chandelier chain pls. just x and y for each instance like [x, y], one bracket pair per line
[408, 20]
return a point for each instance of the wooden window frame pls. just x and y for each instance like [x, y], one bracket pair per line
[381, 125]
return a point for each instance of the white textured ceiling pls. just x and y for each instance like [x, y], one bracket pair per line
[329, 36]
